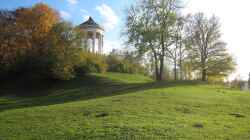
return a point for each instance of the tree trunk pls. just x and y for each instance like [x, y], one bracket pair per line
[180, 69]
[175, 65]
[180, 63]
[204, 74]
[161, 68]
[203, 68]
[162, 58]
[175, 70]
[156, 70]
[157, 73]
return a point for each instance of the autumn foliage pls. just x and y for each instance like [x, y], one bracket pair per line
[35, 42]
[22, 31]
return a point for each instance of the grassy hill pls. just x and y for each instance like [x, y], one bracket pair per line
[122, 106]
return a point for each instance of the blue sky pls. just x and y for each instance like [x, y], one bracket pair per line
[108, 13]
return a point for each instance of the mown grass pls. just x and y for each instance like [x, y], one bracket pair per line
[122, 106]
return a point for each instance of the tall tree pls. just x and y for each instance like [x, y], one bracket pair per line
[13, 45]
[181, 43]
[64, 53]
[208, 51]
[176, 52]
[24, 34]
[149, 28]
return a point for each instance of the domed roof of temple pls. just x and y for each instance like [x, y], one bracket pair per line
[90, 23]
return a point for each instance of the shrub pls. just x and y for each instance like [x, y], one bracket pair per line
[91, 62]
[63, 72]
[237, 83]
[118, 64]
[62, 55]
[61, 64]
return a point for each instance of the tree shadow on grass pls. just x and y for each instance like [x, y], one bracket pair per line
[31, 94]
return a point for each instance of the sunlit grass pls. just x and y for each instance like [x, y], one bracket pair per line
[123, 106]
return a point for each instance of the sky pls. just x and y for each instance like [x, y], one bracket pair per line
[234, 18]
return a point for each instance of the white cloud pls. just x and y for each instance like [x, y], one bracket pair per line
[85, 14]
[110, 45]
[84, 11]
[72, 1]
[65, 15]
[86, 18]
[110, 18]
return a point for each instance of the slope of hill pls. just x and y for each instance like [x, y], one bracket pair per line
[123, 106]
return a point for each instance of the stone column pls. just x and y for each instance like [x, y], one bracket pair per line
[102, 44]
[93, 42]
[85, 43]
[85, 40]
[99, 43]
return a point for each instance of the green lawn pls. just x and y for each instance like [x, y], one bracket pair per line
[122, 106]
